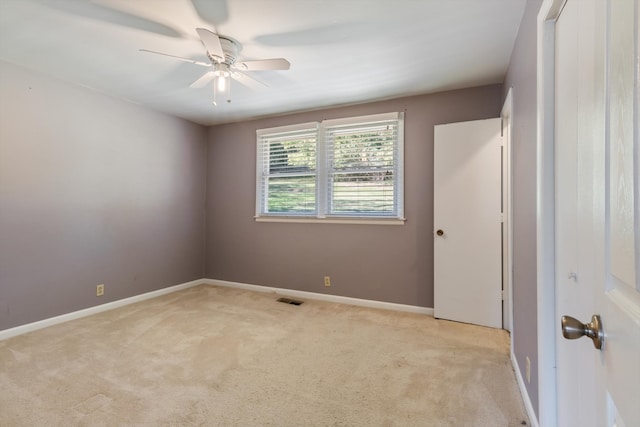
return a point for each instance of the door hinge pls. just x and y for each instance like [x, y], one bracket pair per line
[502, 295]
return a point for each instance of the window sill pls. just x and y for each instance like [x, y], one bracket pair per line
[332, 220]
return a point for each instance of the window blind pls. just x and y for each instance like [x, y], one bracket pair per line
[362, 169]
[350, 167]
[287, 171]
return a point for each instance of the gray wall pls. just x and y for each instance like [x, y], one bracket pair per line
[521, 76]
[92, 190]
[377, 262]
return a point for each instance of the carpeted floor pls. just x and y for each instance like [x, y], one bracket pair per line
[210, 356]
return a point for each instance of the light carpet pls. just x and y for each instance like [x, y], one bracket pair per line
[212, 356]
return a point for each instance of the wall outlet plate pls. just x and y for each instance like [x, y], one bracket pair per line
[327, 281]
[99, 290]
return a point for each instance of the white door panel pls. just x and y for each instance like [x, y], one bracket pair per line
[467, 192]
[597, 186]
[620, 303]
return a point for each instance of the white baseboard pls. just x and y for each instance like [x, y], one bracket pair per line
[29, 327]
[523, 391]
[323, 297]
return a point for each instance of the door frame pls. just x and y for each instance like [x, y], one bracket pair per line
[507, 214]
[545, 201]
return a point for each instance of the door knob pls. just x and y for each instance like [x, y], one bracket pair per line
[440, 232]
[573, 328]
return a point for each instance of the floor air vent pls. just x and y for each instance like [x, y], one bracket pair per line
[290, 301]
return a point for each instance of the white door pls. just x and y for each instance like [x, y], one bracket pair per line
[467, 223]
[597, 185]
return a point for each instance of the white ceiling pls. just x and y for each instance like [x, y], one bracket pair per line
[341, 51]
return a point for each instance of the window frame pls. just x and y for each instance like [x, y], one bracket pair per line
[261, 202]
[322, 202]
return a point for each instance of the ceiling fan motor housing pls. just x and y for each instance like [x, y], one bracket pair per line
[230, 48]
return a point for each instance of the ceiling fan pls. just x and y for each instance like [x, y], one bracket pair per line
[223, 52]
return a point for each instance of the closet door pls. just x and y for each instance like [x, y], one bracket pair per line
[467, 222]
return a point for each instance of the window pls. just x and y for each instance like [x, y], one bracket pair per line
[336, 169]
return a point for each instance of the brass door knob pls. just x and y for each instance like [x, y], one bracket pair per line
[573, 328]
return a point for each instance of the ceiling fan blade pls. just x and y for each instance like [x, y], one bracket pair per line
[203, 80]
[211, 42]
[106, 13]
[322, 35]
[215, 12]
[263, 65]
[204, 64]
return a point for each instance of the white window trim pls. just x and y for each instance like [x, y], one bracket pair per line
[270, 131]
[331, 220]
[288, 128]
[321, 187]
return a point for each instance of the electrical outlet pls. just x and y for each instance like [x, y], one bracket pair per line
[327, 281]
[99, 290]
[528, 370]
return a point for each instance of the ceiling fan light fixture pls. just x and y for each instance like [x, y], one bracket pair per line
[221, 83]
[221, 69]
